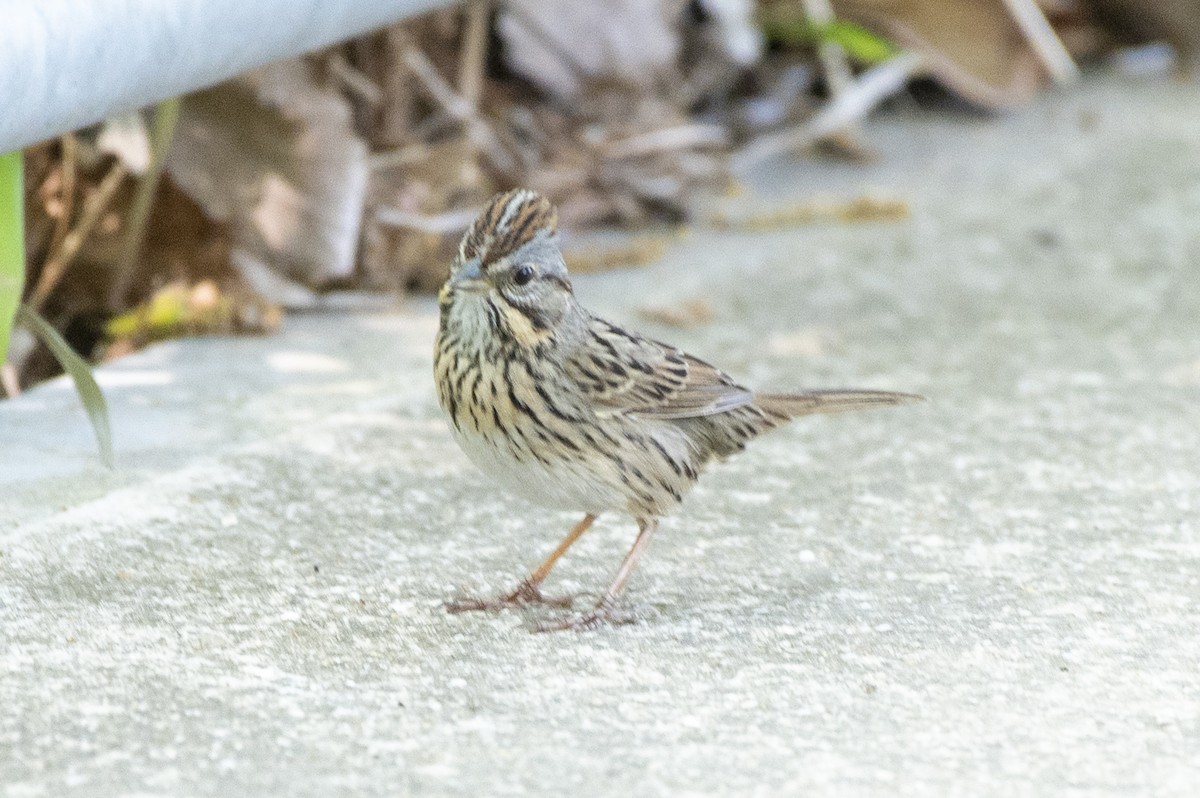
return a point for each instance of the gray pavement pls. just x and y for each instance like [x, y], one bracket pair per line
[995, 593]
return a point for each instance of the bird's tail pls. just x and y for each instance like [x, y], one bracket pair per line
[831, 401]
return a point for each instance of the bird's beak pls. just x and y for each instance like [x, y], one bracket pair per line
[469, 276]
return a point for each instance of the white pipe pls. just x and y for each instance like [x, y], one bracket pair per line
[66, 64]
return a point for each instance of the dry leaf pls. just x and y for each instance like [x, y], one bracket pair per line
[972, 46]
[274, 154]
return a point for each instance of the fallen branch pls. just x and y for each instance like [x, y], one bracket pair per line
[873, 87]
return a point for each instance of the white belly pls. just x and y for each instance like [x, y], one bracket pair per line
[561, 485]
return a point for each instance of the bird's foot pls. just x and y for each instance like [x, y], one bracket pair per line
[604, 614]
[526, 594]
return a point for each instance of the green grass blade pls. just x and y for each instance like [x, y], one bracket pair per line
[81, 373]
[12, 243]
[858, 42]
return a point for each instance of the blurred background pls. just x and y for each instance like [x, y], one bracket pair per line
[347, 175]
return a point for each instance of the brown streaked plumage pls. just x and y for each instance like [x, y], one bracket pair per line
[504, 227]
[575, 412]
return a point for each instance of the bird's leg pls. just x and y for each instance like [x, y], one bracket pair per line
[605, 611]
[529, 591]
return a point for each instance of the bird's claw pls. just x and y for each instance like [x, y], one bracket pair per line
[526, 594]
[603, 615]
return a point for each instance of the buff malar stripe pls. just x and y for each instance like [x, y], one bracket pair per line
[509, 221]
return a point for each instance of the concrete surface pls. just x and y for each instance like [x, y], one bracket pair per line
[996, 593]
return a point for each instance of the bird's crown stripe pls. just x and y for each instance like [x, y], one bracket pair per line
[510, 221]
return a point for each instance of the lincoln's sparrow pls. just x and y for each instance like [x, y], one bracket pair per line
[574, 412]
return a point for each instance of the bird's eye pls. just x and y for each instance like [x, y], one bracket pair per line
[523, 275]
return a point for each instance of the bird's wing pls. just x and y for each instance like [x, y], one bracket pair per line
[620, 371]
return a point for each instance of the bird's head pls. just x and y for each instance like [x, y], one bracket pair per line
[508, 278]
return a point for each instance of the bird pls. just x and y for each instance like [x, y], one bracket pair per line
[577, 413]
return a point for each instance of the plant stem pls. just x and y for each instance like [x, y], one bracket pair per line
[166, 114]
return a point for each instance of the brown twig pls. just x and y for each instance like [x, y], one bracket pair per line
[358, 83]
[472, 60]
[93, 208]
[456, 106]
[70, 147]
[473, 55]
[395, 113]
